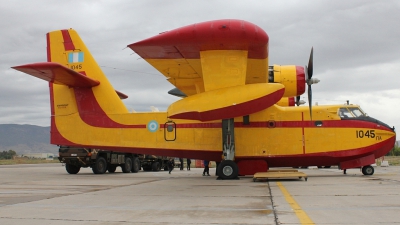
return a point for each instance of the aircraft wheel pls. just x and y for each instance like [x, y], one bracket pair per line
[155, 166]
[135, 165]
[127, 166]
[100, 166]
[228, 169]
[111, 168]
[71, 169]
[368, 170]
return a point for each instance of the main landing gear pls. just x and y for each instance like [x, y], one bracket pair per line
[228, 169]
[367, 170]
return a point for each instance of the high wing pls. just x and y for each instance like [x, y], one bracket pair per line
[220, 68]
[209, 55]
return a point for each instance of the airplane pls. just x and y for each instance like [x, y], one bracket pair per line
[234, 108]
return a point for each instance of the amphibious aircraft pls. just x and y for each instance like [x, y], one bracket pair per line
[234, 107]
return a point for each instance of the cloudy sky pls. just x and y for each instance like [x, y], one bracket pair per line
[356, 47]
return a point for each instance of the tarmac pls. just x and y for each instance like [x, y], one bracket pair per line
[46, 194]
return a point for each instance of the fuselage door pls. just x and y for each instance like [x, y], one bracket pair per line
[170, 131]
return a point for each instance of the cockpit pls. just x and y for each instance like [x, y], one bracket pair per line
[351, 112]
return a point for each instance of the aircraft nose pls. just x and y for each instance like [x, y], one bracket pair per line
[380, 123]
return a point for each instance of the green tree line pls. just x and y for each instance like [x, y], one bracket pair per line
[7, 154]
[394, 152]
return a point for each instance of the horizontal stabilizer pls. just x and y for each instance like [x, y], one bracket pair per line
[58, 74]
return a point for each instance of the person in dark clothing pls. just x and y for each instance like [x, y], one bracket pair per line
[181, 161]
[188, 162]
[216, 168]
[206, 168]
[170, 165]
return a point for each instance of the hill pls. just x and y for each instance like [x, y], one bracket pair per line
[26, 139]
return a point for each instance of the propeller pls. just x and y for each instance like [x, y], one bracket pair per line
[309, 72]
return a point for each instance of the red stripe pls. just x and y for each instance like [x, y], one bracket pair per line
[56, 137]
[291, 101]
[91, 112]
[68, 44]
[300, 80]
[196, 125]
[311, 124]
[48, 47]
[187, 42]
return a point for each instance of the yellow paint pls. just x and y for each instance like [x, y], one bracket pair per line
[303, 217]
[223, 68]
[286, 75]
[283, 102]
[187, 74]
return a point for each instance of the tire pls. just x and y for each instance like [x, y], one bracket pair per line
[368, 170]
[100, 166]
[155, 166]
[135, 165]
[227, 170]
[127, 166]
[71, 169]
[111, 168]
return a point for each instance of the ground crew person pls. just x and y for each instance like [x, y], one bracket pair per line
[170, 165]
[188, 162]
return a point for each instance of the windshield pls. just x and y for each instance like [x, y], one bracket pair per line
[351, 112]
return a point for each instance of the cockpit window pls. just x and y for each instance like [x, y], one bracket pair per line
[344, 113]
[357, 112]
[350, 112]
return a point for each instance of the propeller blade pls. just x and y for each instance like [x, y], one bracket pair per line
[310, 64]
[310, 100]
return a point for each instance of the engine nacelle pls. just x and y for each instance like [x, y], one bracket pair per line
[286, 101]
[291, 76]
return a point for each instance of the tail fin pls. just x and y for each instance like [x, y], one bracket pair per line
[66, 48]
[79, 91]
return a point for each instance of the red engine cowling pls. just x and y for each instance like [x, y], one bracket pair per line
[291, 76]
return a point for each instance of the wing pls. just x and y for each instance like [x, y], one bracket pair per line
[208, 56]
[221, 66]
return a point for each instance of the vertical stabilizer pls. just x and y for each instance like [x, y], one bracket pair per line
[66, 48]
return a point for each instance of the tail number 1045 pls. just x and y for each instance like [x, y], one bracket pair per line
[365, 134]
